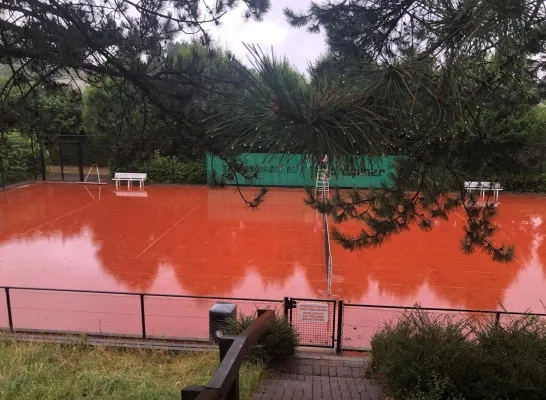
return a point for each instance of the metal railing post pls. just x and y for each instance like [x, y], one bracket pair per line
[10, 316]
[339, 325]
[143, 316]
[2, 173]
[42, 162]
[497, 318]
[286, 307]
[61, 162]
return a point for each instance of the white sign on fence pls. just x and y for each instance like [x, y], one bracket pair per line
[313, 312]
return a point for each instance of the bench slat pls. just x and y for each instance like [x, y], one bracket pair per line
[130, 176]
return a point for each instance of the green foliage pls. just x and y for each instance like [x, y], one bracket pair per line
[435, 391]
[171, 170]
[524, 183]
[427, 357]
[134, 126]
[168, 169]
[277, 344]
[17, 158]
[46, 114]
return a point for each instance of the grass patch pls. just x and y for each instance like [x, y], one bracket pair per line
[31, 370]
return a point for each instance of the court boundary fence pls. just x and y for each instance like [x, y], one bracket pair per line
[324, 323]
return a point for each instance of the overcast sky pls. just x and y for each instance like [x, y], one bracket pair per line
[299, 46]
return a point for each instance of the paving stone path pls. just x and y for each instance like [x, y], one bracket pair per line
[310, 378]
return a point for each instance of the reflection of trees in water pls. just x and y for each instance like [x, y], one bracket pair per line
[262, 244]
[408, 262]
[118, 233]
[24, 208]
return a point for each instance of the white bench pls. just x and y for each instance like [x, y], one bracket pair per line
[130, 177]
[483, 187]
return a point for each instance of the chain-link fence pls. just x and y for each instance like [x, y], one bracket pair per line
[20, 161]
[90, 158]
[319, 323]
[360, 322]
[181, 318]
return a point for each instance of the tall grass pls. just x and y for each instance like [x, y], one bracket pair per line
[31, 370]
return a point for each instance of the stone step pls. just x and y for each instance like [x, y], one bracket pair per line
[318, 387]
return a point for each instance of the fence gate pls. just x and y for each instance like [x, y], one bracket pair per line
[314, 320]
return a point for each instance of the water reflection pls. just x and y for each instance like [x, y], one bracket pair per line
[203, 242]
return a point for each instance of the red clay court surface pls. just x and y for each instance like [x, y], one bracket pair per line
[197, 241]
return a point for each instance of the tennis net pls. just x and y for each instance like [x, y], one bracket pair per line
[327, 247]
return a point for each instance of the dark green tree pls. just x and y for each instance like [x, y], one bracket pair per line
[58, 42]
[62, 43]
[439, 68]
[133, 128]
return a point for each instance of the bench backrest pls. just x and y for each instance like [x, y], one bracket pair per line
[130, 175]
[472, 185]
[482, 185]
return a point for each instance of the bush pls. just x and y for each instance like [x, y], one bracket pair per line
[171, 170]
[165, 169]
[17, 158]
[422, 357]
[530, 184]
[277, 344]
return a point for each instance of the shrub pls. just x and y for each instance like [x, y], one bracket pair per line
[535, 183]
[423, 357]
[17, 158]
[171, 170]
[166, 169]
[277, 344]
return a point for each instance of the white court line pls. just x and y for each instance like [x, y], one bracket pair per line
[62, 216]
[93, 197]
[167, 231]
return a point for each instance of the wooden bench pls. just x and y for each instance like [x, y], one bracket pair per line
[483, 187]
[130, 177]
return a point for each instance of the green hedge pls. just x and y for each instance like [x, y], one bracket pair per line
[17, 160]
[167, 169]
[422, 357]
[525, 184]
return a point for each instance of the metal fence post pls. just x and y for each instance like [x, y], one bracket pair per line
[61, 162]
[143, 316]
[8, 304]
[2, 172]
[33, 159]
[79, 150]
[497, 318]
[225, 344]
[286, 307]
[42, 161]
[339, 325]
